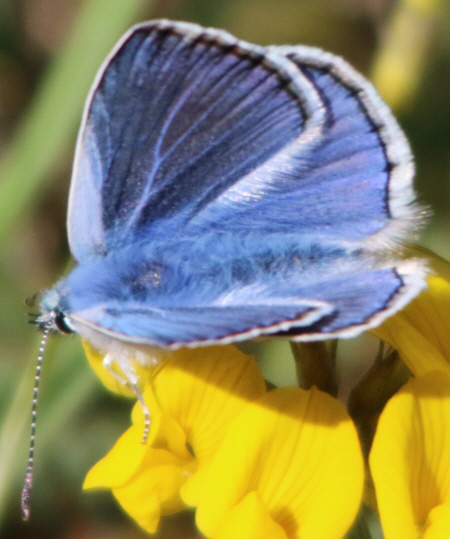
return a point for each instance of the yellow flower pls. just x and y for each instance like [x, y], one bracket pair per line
[410, 456]
[420, 332]
[192, 400]
[290, 458]
[256, 464]
[410, 460]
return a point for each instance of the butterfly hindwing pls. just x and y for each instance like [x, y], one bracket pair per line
[169, 328]
[212, 288]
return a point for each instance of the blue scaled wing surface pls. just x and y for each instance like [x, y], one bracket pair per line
[222, 191]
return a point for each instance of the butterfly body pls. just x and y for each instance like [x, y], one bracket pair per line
[223, 191]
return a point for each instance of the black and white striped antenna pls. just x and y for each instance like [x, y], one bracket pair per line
[28, 483]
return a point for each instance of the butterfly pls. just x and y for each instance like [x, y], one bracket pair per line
[224, 191]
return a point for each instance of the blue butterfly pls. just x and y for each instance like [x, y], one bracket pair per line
[223, 191]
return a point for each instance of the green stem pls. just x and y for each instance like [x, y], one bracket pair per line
[369, 396]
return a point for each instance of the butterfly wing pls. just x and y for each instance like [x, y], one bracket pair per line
[176, 116]
[231, 168]
[193, 326]
[205, 312]
[355, 183]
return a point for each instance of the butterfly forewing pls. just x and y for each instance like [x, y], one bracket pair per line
[175, 119]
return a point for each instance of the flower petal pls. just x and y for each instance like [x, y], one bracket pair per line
[195, 393]
[249, 519]
[410, 458]
[95, 359]
[420, 332]
[299, 451]
[203, 390]
[120, 463]
[438, 523]
[146, 481]
[153, 492]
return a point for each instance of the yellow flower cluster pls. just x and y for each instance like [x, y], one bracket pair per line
[410, 456]
[254, 463]
[287, 463]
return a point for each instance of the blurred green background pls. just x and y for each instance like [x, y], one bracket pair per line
[49, 52]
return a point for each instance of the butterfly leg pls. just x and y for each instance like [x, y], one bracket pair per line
[130, 380]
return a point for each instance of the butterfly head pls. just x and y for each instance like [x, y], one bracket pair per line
[52, 315]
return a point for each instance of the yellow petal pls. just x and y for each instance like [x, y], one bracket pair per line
[299, 451]
[95, 359]
[153, 492]
[146, 481]
[410, 458]
[420, 332]
[120, 463]
[203, 390]
[129, 455]
[438, 522]
[192, 399]
[249, 519]
[166, 433]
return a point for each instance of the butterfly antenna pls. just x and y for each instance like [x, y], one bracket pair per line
[28, 483]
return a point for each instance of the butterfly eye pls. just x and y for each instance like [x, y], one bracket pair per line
[60, 323]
